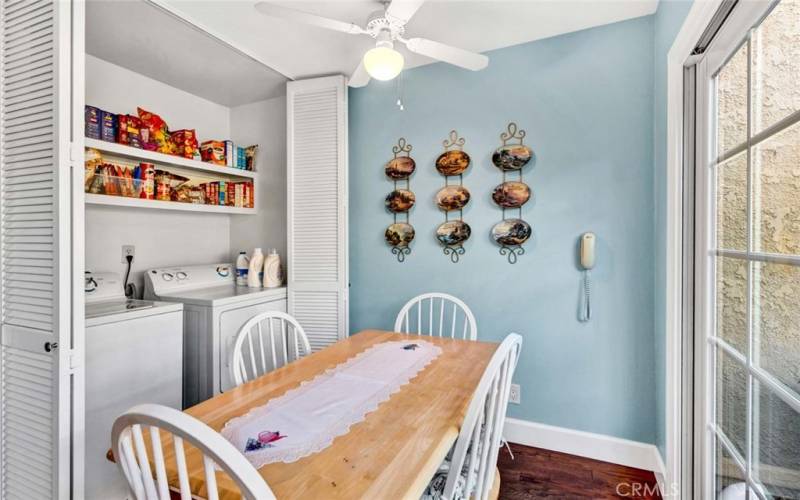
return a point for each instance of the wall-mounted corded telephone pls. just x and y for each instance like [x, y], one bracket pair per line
[587, 263]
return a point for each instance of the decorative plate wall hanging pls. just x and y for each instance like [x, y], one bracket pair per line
[400, 234]
[512, 156]
[453, 197]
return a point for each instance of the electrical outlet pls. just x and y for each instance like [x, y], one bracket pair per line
[514, 394]
[126, 251]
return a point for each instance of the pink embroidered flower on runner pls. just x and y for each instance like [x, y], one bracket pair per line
[307, 419]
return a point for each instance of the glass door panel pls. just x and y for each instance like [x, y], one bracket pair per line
[753, 300]
[732, 202]
[776, 323]
[732, 303]
[776, 192]
[776, 66]
[730, 472]
[732, 99]
[732, 401]
[776, 457]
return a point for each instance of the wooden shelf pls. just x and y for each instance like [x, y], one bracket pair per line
[121, 150]
[121, 201]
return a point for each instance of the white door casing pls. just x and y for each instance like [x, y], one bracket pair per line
[317, 207]
[41, 306]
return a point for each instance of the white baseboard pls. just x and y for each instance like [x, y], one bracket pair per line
[586, 444]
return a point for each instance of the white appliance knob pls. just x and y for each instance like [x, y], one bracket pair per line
[181, 275]
[167, 277]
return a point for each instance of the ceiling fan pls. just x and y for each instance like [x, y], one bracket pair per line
[386, 26]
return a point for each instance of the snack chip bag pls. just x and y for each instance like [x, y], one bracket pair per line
[92, 160]
[250, 157]
[159, 133]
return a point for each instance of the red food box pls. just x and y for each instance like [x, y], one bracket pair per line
[213, 152]
[230, 195]
[122, 129]
[249, 197]
[186, 140]
[135, 138]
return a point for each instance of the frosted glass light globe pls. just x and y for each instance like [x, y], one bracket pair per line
[383, 63]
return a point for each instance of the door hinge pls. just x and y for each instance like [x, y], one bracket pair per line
[75, 360]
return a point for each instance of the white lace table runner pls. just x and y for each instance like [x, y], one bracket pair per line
[307, 419]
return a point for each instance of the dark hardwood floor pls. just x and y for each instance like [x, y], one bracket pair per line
[538, 473]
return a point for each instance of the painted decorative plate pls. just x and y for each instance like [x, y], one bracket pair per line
[453, 162]
[511, 232]
[512, 156]
[399, 234]
[400, 168]
[400, 200]
[511, 194]
[453, 232]
[452, 198]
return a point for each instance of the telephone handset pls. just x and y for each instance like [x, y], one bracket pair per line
[587, 263]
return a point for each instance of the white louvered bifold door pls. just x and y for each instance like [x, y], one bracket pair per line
[37, 118]
[317, 211]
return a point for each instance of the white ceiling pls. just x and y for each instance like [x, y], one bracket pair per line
[148, 40]
[145, 39]
[302, 51]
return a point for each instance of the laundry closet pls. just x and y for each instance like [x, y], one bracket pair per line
[118, 243]
[185, 174]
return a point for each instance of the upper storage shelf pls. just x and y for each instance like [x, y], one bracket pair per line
[132, 153]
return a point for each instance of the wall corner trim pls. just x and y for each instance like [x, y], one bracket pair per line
[586, 444]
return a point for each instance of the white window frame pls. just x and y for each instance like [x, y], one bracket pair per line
[697, 20]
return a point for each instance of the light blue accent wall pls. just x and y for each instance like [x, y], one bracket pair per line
[668, 20]
[586, 101]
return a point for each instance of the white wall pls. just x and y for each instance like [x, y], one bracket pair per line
[263, 123]
[119, 90]
[161, 238]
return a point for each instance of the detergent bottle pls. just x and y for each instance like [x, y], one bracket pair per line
[255, 269]
[242, 267]
[272, 270]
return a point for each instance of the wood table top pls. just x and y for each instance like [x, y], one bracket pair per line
[391, 454]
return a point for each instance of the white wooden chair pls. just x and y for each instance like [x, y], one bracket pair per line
[254, 355]
[131, 453]
[440, 318]
[469, 471]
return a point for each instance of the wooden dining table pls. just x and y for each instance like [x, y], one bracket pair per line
[393, 453]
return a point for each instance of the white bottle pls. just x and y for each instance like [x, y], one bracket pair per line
[254, 271]
[272, 270]
[242, 267]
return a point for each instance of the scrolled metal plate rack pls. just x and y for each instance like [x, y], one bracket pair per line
[399, 235]
[512, 156]
[453, 162]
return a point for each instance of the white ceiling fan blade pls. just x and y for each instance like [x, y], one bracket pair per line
[453, 55]
[403, 10]
[272, 10]
[360, 77]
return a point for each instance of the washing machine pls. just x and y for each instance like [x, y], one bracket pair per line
[134, 355]
[214, 309]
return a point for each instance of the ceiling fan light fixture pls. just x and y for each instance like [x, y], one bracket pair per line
[383, 62]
